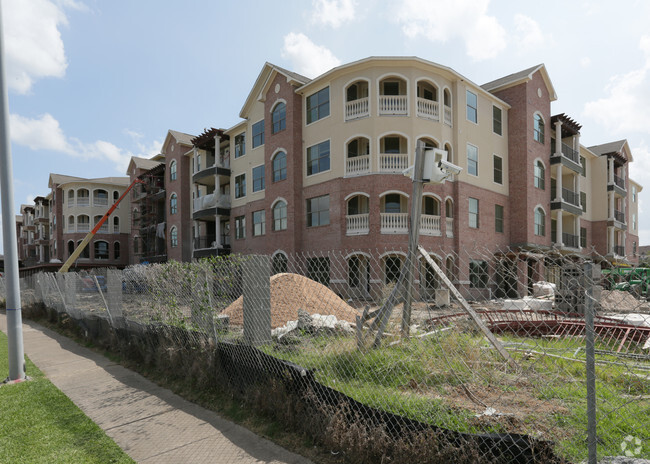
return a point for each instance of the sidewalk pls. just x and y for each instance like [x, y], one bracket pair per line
[150, 423]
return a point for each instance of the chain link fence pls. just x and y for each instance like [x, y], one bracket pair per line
[482, 356]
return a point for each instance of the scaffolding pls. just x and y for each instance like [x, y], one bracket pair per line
[149, 216]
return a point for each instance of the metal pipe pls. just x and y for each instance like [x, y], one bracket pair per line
[10, 245]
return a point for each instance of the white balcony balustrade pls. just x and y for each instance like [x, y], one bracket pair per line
[358, 224]
[448, 115]
[83, 227]
[83, 201]
[358, 165]
[212, 200]
[356, 109]
[393, 162]
[428, 109]
[449, 227]
[393, 105]
[430, 225]
[100, 201]
[394, 223]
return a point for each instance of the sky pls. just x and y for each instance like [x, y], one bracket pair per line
[92, 83]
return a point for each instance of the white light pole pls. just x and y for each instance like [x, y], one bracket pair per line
[14, 312]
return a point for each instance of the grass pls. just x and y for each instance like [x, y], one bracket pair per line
[40, 424]
[425, 380]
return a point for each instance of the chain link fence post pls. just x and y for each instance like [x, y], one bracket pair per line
[257, 300]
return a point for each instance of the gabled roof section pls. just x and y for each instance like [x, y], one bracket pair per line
[181, 138]
[521, 77]
[619, 149]
[206, 139]
[142, 163]
[60, 179]
[263, 81]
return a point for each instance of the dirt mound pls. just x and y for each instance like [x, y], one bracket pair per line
[617, 300]
[291, 292]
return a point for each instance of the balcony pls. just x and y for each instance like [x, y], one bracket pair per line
[619, 216]
[619, 250]
[83, 227]
[449, 227]
[357, 224]
[567, 152]
[393, 105]
[393, 162]
[100, 201]
[570, 201]
[213, 204]
[430, 225]
[394, 223]
[83, 201]
[617, 184]
[570, 240]
[571, 197]
[103, 229]
[619, 181]
[428, 109]
[357, 165]
[357, 109]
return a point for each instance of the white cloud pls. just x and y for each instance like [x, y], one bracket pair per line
[307, 57]
[585, 61]
[333, 12]
[442, 20]
[528, 33]
[33, 44]
[45, 133]
[625, 108]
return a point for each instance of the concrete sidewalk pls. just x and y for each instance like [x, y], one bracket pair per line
[150, 423]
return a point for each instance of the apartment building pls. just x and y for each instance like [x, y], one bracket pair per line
[316, 165]
[76, 205]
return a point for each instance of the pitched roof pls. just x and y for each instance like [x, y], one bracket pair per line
[520, 77]
[144, 163]
[61, 179]
[607, 148]
[182, 137]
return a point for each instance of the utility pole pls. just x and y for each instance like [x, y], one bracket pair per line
[14, 311]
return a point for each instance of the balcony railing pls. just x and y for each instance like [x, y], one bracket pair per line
[209, 241]
[83, 201]
[619, 250]
[430, 225]
[358, 165]
[393, 162]
[567, 152]
[394, 223]
[571, 197]
[357, 224]
[83, 227]
[619, 181]
[100, 201]
[212, 200]
[356, 109]
[449, 227]
[570, 240]
[103, 229]
[619, 216]
[428, 109]
[448, 114]
[393, 104]
[70, 230]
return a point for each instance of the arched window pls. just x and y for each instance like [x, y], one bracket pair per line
[540, 222]
[538, 128]
[116, 225]
[279, 263]
[100, 197]
[392, 268]
[101, 249]
[279, 166]
[430, 206]
[136, 245]
[70, 247]
[392, 203]
[83, 197]
[279, 117]
[70, 198]
[172, 170]
[83, 223]
[449, 208]
[70, 224]
[173, 204]
[116, 196]
[116, 250]
[280, 216]
[173, 237]
[86, 251]
[540, 175]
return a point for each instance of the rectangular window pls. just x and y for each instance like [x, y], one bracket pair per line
[258, 178]
[240, 186]
[634, 222]
[472, 160]
[259, 223]
[478, 274]
[633, 194]
[583, 163]
[258, 133]
[318, 158]
[498, 169]
[318, 211]
[473, 213]
[496, 120]
[318, 270]
[583, 201]
[240, 145]
[318, 105]
[498, 218]
[472, 106]
[240, 227]
[583, 237]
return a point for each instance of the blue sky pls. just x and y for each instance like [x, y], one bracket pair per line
[92, 82]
